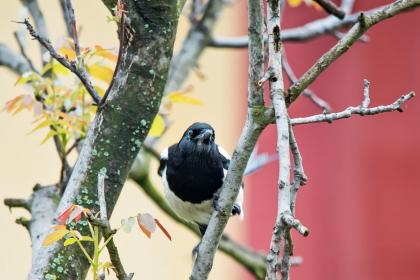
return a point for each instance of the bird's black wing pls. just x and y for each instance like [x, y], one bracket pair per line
[225, 158]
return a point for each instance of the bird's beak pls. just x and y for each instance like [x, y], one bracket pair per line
[204, 137]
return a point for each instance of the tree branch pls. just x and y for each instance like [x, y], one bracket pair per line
[253, 127]
[17, 203]
[331, 8]
[20, 41]
[67, 20]
[365, 21]
[193, 45]
[144, 67]
[78, 70]
[360, 110]
[319, 102]
[108, 232]
[284, 218]
[303, 33]
[40, 24]
[15, 62]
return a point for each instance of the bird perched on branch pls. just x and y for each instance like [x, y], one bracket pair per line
[192, 172]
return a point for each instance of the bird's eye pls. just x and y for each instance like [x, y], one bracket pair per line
[190, 133]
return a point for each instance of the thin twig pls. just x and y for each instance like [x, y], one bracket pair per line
[20, 41]
[108, 232]
[121, 37]
[347, 113]
[331, 8]
[366, 98]
[302, 33]
[71, 23]
[80, 72]
[69, 27]
[319, 102]
[40, 24]
[365, 21]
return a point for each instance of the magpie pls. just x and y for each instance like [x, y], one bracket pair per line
[192, 172]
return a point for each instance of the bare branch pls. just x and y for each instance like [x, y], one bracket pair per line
[331, 8]
[366, 98]
[282, 125]
[20, 41]
[80, 72]
[15, 62]
[71, 23]
[38, 18]
[290, 221]
[319, 102]
[67, 20]
[252, 129]
[108, 232]
[17, 203]
[365, 21]
[347, 113]
[306, 32]
[193, 46]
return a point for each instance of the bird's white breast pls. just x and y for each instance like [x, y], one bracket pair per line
[191, 212]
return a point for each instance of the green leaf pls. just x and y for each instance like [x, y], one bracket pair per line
[45, 123]
[69, 241]
[86, 238]
[49, 135]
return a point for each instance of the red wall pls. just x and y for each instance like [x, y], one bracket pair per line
[363, 197]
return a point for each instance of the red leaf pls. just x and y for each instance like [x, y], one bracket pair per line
[63, 216]
[163, 229]
[78, 217]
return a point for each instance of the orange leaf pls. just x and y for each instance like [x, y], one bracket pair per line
[54, 237]
[163, 229]
[11, 104]
[59, 227]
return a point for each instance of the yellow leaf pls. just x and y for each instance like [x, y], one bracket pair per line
[49, 135]
[158, 126]
[69, 241]
[101, 72]
[58, 68]
[180, 97]
[54, 237]
[68, 53]
[24, 78]
[41, 125]
[294, 3]
[102, 52]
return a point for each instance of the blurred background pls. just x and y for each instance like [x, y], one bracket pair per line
[362, 200]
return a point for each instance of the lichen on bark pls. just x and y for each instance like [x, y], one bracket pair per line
[120, 125]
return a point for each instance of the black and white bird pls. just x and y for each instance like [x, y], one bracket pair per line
[192, 172]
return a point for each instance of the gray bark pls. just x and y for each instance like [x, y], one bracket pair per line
[120, 126]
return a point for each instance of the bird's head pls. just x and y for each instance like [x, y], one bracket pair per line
[198, 138]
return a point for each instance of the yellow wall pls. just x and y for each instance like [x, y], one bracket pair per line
[24, 162]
